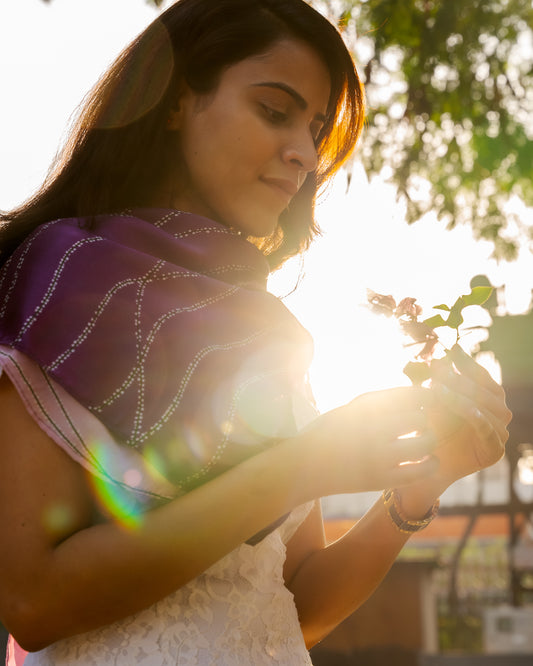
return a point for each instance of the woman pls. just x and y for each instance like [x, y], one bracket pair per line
[139, 345]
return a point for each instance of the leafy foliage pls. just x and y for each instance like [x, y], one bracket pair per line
[423, 333]
[450, 107]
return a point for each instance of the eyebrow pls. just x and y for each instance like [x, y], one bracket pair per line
[300, 101]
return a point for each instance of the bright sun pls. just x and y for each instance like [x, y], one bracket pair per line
[367, 355]
[366, 244]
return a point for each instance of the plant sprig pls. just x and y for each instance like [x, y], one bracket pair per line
[408, 313]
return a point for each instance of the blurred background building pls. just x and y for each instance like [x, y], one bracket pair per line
[462, 589]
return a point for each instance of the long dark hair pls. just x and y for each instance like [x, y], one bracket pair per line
[118, 152]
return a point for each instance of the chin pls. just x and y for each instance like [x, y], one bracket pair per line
[262, 228]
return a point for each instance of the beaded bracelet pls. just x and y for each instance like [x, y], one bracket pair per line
[391, 500]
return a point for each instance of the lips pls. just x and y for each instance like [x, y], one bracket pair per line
[282, 185]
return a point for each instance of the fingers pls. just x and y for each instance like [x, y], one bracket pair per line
[472, 395]
[488, 433]
[459, 391]
[466, 364]
[473, 385]
[401, 398]
[398, 411]
[394, 425]
[484, 421]
[493, 434]
[412, 449]
[490, 430]
[390, 435]
[407, 473]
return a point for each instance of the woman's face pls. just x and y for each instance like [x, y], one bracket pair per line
[247, 147]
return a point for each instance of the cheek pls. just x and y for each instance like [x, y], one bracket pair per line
[226, 154]
[243, 140]
[234, 160]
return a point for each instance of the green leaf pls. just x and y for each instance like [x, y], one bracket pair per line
[442, 306]
[435, 321]
[477, 296]
[417, 372]
[486, 139]
[455, 318]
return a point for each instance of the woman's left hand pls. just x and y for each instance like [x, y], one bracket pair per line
[471, 418]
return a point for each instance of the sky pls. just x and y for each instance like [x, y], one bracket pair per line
[51, 54]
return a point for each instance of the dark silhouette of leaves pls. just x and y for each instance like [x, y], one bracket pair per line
[450, 107]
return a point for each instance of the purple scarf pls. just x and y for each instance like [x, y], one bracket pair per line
[160, 324]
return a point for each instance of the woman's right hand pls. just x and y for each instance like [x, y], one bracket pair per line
[378, 440]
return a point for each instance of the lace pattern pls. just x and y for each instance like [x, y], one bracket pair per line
[237, 613]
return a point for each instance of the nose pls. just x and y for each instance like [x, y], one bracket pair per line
[301, 151]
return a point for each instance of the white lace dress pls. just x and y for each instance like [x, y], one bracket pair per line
[237, 613]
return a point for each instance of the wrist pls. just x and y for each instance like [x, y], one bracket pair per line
[402, 521]
[418, 498]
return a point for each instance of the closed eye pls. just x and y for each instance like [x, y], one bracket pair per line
[276, 117]
[317, 130]
[317, 138]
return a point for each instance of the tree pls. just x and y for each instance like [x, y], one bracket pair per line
[450, 106]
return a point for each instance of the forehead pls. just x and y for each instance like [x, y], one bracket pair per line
[290, 62]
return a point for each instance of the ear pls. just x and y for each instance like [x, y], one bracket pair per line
[181, 99]
[174, 119]
[175, 115]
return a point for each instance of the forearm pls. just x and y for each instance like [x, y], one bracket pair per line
[333, 582]
[57, 586]
[106, 572]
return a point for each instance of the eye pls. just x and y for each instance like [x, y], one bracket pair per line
[318, 133]
[274, 116]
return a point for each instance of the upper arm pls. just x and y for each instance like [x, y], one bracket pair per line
[308, 538]
[44, 498]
